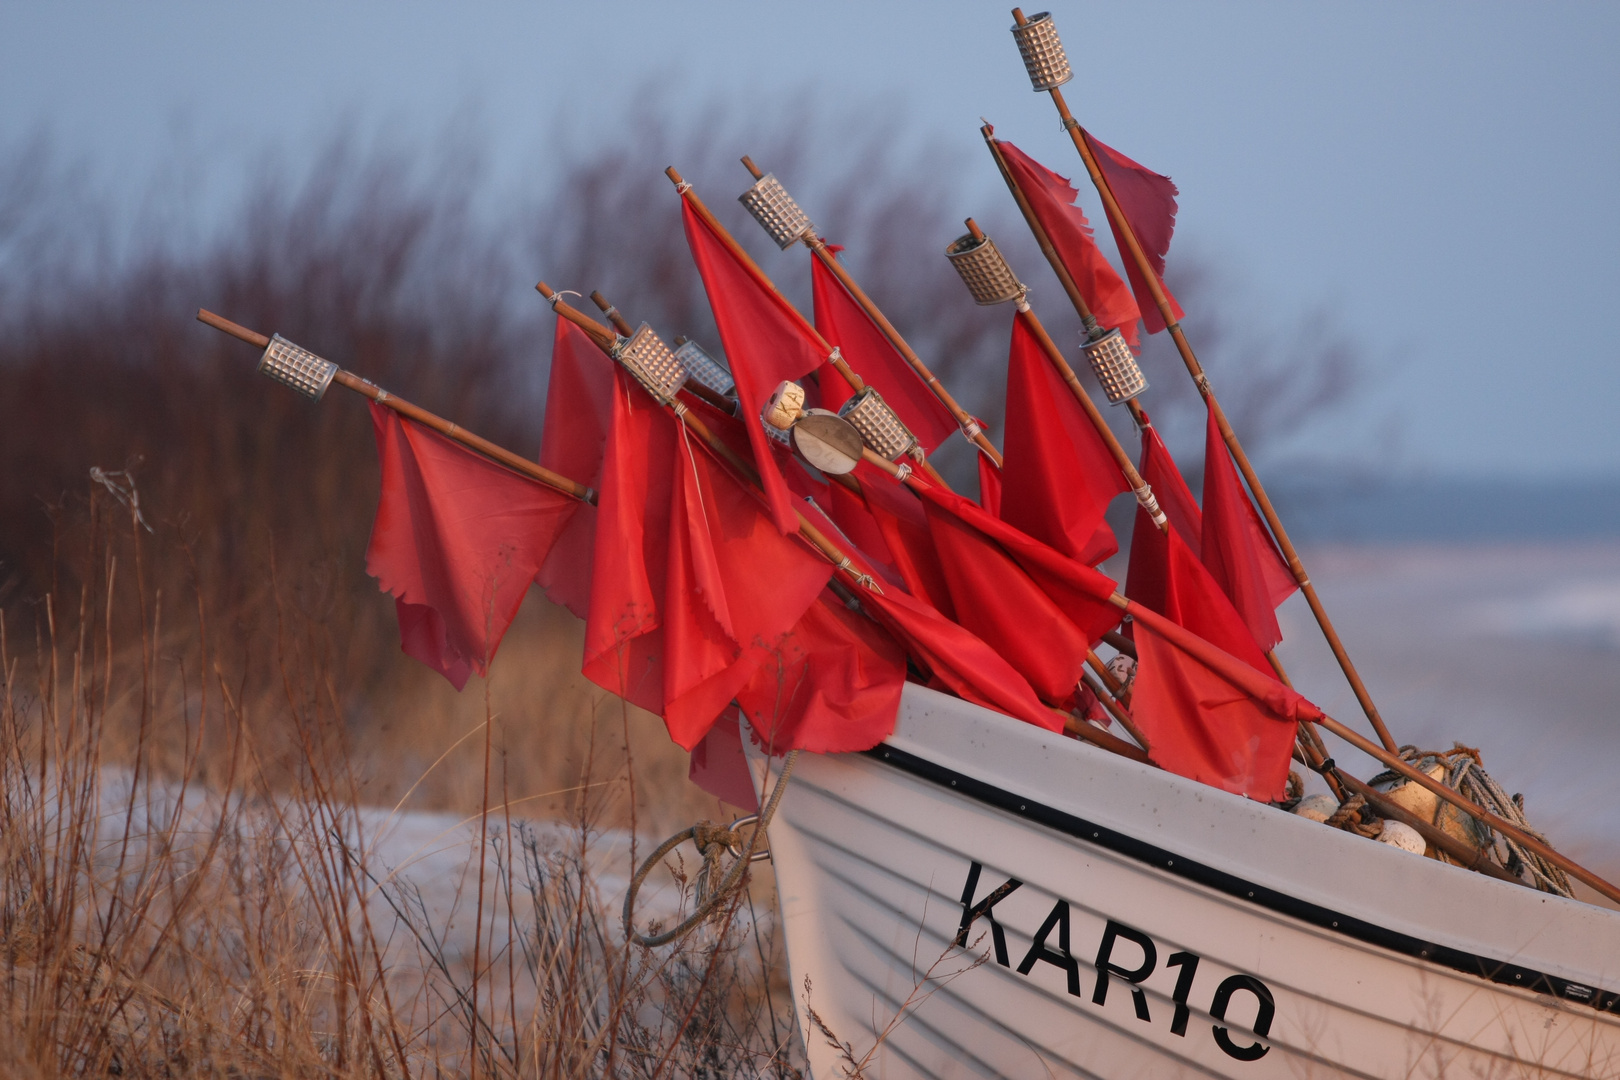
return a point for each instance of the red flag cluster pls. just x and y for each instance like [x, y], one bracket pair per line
[698, 591]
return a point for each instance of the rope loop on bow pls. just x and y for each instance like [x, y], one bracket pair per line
[712, 886]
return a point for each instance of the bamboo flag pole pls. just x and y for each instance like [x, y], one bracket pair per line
[1094, 332]
[964, 419]
[1196, 370]
[834, 356]
[369, 389]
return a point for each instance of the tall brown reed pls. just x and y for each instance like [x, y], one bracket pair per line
[191, 882]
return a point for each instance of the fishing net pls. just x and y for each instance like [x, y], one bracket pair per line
[1461, 770]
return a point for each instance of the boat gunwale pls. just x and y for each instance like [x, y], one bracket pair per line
[1503, 973]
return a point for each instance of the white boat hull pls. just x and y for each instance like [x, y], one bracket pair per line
[1171, 919]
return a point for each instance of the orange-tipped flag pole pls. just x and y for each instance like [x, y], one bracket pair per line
[832, 354]
[310, 375]
[1140, 258]
[818, 246]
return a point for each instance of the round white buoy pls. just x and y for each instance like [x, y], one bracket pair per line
[1401, 835]
[1317, 807]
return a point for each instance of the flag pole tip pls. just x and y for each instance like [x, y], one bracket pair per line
[544, 290]
[674, 177]
[974, 230]
[748, 163]
[1018, 16]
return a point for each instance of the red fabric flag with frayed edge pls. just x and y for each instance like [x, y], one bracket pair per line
[904, 527]
[844, 323]
[765, 343]
[831, 687]
[1191, 598]
[624, 642]
[1051, 199]
[999, 603]
[1080, 592]
[457, 541]
[1148, 200]
[1058, 476]
[1210, 716]
[958, 661]
[720, 767]
[579, 402]
[1240, 553]
[734, 590]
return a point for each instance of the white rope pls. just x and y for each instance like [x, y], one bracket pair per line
[902, 472]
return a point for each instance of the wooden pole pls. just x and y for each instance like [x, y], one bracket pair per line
[970, 427]
[1479, 813]
[1469, 856]
[367, 388]
[1137, 255]
[1116, 709]
[834, 356]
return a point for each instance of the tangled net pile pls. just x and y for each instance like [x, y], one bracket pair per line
[1466, 775]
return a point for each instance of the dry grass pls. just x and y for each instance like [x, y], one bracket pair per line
[194, 878]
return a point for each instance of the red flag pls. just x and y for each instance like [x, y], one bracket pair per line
[624, 645]
[1148, 200]
[765, 342]
[904, 527]
[845, 324]
[848, 512]
[457, 541]
[1051, 199]
[1058, 476]
[719, 766]
[1210, 716]
[1080, 592]
[1145, 576]
[1191, 598]
[579, 401]
[989, 485]
[958, 661]
[999, 603]
[735, 587]
[1239, 552]
[832, 687]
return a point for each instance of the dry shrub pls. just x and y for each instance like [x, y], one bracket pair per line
[193, 887]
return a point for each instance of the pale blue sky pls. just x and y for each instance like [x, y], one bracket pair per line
[1442, 174]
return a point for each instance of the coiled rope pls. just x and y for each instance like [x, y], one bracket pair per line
[1466, 775]
[713, 841]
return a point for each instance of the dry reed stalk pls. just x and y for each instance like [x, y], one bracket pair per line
[190, 881]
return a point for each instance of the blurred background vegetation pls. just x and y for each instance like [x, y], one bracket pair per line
[395, 261]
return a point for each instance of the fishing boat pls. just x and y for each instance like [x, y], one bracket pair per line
[997, 853]
[976, 897]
